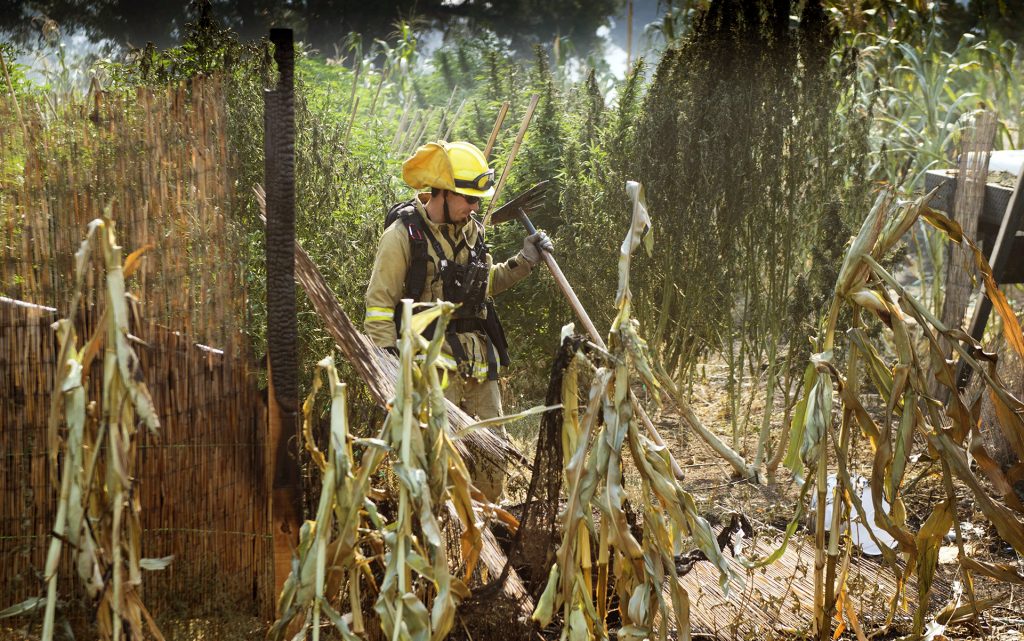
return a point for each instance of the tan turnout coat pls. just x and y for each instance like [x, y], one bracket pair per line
[387, 281]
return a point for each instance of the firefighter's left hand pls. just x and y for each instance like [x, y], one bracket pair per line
[534, 245]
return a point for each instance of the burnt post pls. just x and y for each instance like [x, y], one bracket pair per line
[282, 327]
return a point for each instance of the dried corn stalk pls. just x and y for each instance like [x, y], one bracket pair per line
[98, 510]
[430, 472]
[418, 594]
[330, 551]
[594, 481]
[951, 432]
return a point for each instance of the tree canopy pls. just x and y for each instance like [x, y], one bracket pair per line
[320, 23]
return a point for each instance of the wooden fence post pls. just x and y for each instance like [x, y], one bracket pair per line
[968, 202]
[282, 327]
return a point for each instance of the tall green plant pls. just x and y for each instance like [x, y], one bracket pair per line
[742, 189]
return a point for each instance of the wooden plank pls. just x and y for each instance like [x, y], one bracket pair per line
[996, 197]
[285, 499]
[1005, 250]
[968, 202]
[1001, 254]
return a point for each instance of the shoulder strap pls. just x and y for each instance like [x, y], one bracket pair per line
[419, 236]
[397, 211]
[416, 276]
[480, 249]
[419, 233]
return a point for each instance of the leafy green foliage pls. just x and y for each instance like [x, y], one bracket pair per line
[759, 138]
[918, 91]
[741, 148]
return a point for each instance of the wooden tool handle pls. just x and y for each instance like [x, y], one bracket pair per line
[595, 336]
[563, 284]
[570, 295]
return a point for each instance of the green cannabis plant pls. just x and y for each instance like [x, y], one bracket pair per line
[743, 152]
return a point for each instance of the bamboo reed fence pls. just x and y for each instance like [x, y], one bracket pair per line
[202, 482]
[157, 162]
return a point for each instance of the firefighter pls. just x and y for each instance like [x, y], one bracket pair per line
[432, 249]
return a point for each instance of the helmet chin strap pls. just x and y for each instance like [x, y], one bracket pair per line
[447, 216]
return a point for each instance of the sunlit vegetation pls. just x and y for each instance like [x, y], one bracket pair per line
[782, 150]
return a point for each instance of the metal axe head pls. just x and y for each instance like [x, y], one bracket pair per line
[528, 201]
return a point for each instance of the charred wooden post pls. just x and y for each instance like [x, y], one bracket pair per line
[282, 326]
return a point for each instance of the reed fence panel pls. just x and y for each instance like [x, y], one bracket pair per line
[202, 479]
[157, 161]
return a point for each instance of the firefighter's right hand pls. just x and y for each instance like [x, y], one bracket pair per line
[534, 245]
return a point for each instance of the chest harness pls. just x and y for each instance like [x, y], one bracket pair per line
[465, 284]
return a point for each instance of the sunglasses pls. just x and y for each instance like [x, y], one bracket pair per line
[472, 200]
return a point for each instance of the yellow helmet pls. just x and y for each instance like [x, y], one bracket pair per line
[456, 166]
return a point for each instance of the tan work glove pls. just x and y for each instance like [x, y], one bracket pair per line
[534, 245]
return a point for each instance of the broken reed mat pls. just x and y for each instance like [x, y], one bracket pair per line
[777, 601]
[158, 159]
[202, 479]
